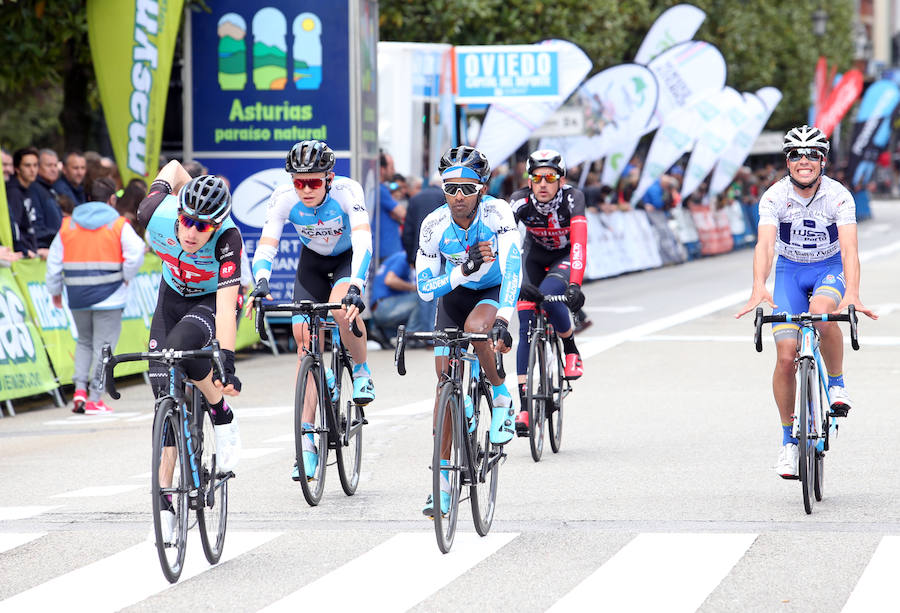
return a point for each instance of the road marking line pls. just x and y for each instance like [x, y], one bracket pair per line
[13, 513]
[413, 408]
[97, 491]
[124, 578]
[879, 341]
[82, 420]
[659, 572]
[257, 452]
[613, 309]
[144, 417]
[284, 438]
[16, 539]
[261, 412]
[876, 589]
[145, 475]
[396, 575]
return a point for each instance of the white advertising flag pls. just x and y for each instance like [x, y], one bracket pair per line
[713, 138]
[676, 25]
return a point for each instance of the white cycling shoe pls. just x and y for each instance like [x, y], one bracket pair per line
[788, 461]
[228, 446]
[167, 524]
[840, 400]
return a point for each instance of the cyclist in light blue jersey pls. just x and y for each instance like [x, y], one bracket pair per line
[469, 259]
[809, 220]
[329, 213]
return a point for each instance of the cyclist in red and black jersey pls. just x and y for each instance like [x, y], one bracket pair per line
[554, 257]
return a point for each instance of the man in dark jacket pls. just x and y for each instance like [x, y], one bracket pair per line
[46, 214]
[19, 197]
[71, 183]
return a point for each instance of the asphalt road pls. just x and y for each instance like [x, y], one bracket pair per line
[663, 497]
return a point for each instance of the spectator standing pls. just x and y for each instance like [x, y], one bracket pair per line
[72, 182]
[420, 206]
[46, 215]
[394, 295]
[391, 213]
[413, 187]
[7, 164]
[95, 255]
[19, 197]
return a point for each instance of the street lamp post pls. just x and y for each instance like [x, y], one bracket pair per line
[820, 22]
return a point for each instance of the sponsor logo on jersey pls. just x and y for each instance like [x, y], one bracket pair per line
[226, 252]
[185, 271]
[170, 242]
[227, 269]
[152, 343]
[829, 279]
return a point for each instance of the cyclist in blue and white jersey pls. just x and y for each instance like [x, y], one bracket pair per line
[469, 259]
[329, 213]
[189, 228]
[809, 220]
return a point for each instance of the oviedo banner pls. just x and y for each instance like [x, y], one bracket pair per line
[24, 369]
[132, 42]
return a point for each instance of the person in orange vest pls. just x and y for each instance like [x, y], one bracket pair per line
[94, 256]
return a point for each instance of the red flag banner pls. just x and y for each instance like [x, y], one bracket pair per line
[839, 101]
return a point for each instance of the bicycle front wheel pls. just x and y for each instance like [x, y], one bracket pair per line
[536, 395]
[483, 490]
[311, 454]
[170, 503]
[806, 412]
[558, 389]
[446, 425]
[212, 507]
[350, 418]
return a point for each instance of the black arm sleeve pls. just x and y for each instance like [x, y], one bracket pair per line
[228, 254]
[158, 191]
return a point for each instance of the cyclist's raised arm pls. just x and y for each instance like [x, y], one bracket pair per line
[577, 237]
[174, 174]
[510, 255]
[360, 231]
[762, 266]
[277, 211]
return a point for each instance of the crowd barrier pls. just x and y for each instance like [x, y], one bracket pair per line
[37, 340]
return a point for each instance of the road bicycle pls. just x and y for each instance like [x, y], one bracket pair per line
[325, 379]
[546, 383]
[464, 406]
[813, 420]
[182, 423]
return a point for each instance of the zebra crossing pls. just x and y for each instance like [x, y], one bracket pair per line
[650, 571]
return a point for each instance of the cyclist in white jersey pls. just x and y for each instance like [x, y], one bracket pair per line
[809, 220]
[329, 213]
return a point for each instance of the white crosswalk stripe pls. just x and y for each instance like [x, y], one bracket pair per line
[685, 569]
[12, 540]
[24, 512]
[399, 573]
[123, 579]
[876, 589]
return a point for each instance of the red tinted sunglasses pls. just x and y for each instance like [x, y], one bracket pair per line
[201, 226]
[311, 183]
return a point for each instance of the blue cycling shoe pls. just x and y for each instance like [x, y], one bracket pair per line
[502, 425]
[363, 390]
[428, 509]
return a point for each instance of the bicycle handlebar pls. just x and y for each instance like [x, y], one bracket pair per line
[447, 335]
[170, 356]
[306, 307]
[761, 319]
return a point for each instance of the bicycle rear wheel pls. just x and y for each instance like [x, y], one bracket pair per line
[308, 390]
[350, 418]
[168, 448]
[447, 424]
[807, 438]
[212, 510]
[536, 394]
[483, 491]
[558, 385]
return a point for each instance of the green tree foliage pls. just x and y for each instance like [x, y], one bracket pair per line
[763, 42]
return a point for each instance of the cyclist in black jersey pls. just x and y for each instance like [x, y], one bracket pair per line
[553, 259]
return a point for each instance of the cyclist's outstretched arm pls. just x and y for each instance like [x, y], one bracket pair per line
[578, 239]
[762, 266]
[277, 211]
[847, 237]
[360, 231]
[509, 252]
[174, 174]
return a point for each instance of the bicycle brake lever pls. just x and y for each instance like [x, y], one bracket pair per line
[757, 335]
[109, 364]
[355, 329]
[400, 351]
[217, 360]
[854, 339]
[260, 322]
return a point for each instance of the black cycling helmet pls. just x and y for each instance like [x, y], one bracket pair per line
[205, 198]
[546, 158]
[464, 161]
[310, 156]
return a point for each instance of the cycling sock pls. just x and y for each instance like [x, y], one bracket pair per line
[445, 477]
[569, 345]
[837, 379]
[786, 435]
[501, 396]
[523, 393]
[221, 413]
[166, 503]
[361, 370]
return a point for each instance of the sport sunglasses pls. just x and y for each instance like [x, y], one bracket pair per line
[813, 155]
[549, 178]
[201, 226]
[451, 189]
[310, 183]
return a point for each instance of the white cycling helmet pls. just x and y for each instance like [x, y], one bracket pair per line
[805, 137]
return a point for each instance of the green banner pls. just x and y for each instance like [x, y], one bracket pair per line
[132, 42]
[5, 227]
[24, 369]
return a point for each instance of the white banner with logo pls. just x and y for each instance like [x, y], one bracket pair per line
[685, 73]
[620, 242]
[676, 25]
[713, 138]
[759, 106]
[509, 124]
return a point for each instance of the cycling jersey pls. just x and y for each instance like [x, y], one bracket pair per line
[556, 225]
[325, 229]
[215, 265]
[807, 231]
[441, 239]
